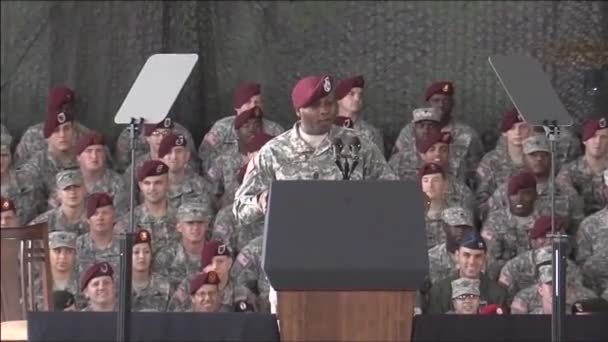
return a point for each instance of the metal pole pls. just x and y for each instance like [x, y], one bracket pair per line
[559, 258]
[123, 321]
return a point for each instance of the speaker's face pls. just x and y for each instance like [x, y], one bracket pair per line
[318, 118]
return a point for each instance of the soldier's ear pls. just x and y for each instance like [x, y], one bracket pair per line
[298, 113]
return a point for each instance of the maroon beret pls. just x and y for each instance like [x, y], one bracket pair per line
[256, 143]
[98, 200]
[253, 113]
[99, 269]
[59, 96]
[430, 169]
[143, 236]
[344, 86]
[167, 123]
[55, 119]
[244, 92]
[170, 141]
[436, 136]
[441, 87]
[591, 126]
[524, 180]
[203, 278]
[509, 119]
[493, 309]
[7, 205]
[542, 226]
[344, 122]
[151, 168]
[309, 90]
[89, 139]
[213, 249]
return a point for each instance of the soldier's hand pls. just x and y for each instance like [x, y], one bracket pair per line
[263, 200]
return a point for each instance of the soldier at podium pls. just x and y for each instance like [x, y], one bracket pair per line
[306, 151]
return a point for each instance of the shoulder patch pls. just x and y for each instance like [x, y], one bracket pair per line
[242, 259]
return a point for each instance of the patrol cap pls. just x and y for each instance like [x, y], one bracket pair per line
[542, 256]
[436, 136]
[253, 113]
[457, 216]
[67, 178]
[244, 92]
[212, 249]
[6, 204]
[203, 278]
[310, 89]
[520, 181]
[167, 123]
[151, 168]
[62, 239]
[440, 87]
[473, 240]
[169, 142]
[89, 139]
[545, 274]
[99, 269]
[422, 114]
[344, 86]
[593, 125]
[462, 286]
[194, 212]
[536, 143]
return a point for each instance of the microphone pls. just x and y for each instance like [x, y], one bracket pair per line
[355, 147]
[337, 147]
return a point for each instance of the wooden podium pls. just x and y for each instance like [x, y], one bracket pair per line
[350, 271]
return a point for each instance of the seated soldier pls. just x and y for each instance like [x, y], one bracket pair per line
[537, 158]
[185, 185]
[471, 258]
[216, 257]
[97, 286]
[251, 285]
[70, 216]
[181, 258]
[59, 99]
[349, 98]
[584, 175]
[467, 148]
[62, 257]
[156, 213]
[442, 258]
[225, 169]
[44, 165]
[506, 159]
[8, 214]
[100, 242]
[222, 135]
[465, 296]
[96, 173]
[16, 186]
[150, 290]
[205, 293]
[592, 244]
[506, 231]
[520, 272]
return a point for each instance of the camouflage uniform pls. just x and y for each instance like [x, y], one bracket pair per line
[222, 137]
[289, 157]
[123, 145]
[32, 141]
[494, 169]
[577, 175]
[162, 228]
[466, 149]
[41, 170]
[27, 198]
[88, 254]
[223, 173]
[224, 227]
[592, 256]
[370, 132]
[441, 262]
[153, 297]
[113, 184]
[250, 280]
[56, 221]
[192, 188]
[435, 233]
[174, 263]
[182, 302]
[529, 301]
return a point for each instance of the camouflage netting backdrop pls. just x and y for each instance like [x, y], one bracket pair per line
[98, 48]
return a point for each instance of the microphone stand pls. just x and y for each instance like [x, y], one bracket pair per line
[123, 321]
[558, 259]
